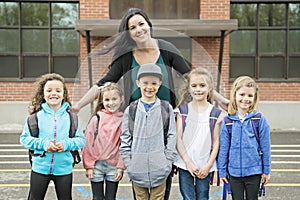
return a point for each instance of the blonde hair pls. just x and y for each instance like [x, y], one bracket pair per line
[185, 96]
[38, 93]
[108, 86]
[242, 81]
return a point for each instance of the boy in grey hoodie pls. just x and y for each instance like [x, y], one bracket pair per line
[147, 158]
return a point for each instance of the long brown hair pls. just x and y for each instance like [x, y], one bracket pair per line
[38, 93]
[185, 96]
[242, 81]
[122, 43]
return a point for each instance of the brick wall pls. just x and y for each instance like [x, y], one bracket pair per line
[205, 53]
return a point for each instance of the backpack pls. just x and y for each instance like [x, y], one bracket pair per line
[165, 113]
[97, 128]
[213, 117]
[32, 122]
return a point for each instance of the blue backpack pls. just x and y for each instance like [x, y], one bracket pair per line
[213, 117]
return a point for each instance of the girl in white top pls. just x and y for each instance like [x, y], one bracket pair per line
[196, 146]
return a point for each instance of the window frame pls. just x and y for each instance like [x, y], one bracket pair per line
[49, 54]
[258, 55]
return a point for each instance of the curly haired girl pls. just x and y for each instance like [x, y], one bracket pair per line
[52, 158]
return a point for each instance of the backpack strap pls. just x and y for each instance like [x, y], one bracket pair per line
[97, 128]
[72, 132]
[255, 124]
[73, 124]
[213, 117]
[32, 122]
[184, 110]
[165, 113]
[132, 113]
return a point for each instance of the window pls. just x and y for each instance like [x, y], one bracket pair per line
[166, 9]
[38, 38]
[266, 44]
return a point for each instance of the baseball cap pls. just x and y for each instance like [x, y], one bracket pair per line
[149, 69]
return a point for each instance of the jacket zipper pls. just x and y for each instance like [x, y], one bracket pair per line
[52, 156]
[241, 150]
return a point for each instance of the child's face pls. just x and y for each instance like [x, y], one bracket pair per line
[149, 86]
[244, 98]
[198, 88]
[111, 101]
[54, 93]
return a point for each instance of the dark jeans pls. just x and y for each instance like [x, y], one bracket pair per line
[110, 190]
[167, 191]
[39, 185]
[192, 188]
[248, 185]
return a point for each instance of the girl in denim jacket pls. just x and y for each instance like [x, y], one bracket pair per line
[244, 160]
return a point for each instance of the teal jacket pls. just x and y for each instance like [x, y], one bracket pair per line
[62, 162]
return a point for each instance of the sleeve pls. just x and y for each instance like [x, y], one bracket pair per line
[126, 139]
[223, 155]
[75, 143]
[170, 150]
[115, 72]
[265, 143]
[176, 60]
[87, 153]
[33, 143]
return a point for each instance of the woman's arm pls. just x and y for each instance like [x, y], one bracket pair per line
[222, 101]
[89, 97]
[116, 71]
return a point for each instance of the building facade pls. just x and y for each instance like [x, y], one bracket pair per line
[230, 38]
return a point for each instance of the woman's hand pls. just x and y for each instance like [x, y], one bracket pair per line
[75, 109]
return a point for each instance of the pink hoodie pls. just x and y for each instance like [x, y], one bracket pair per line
[107, 143]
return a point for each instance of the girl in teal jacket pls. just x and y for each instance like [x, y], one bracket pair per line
[53, 144]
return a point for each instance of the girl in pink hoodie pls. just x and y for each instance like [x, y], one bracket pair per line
[101, 156]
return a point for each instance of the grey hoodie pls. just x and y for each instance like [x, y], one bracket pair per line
[148, 160]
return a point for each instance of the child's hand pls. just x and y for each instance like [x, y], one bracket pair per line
[119, 174]
[60, 147]
[52, 147]
[192, 168]
[223, 180]
[266, 178]
[89, 173]
[203, 172]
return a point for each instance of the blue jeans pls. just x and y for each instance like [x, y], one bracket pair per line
[192, 188]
